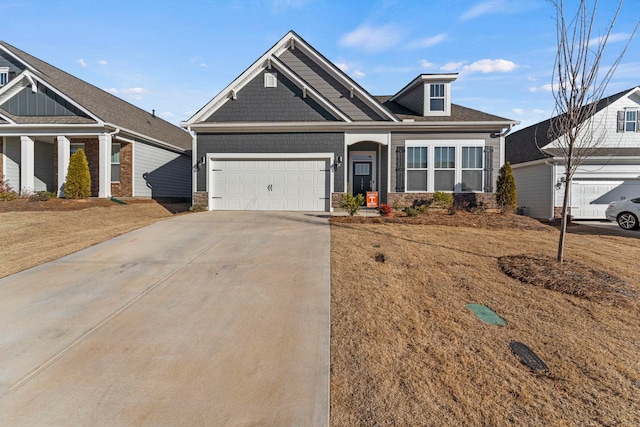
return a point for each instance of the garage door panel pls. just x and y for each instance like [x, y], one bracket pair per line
[270, 185]
[590, 198]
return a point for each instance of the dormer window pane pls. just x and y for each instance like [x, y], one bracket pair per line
[436, 97]
[631, 120]
[4, 75]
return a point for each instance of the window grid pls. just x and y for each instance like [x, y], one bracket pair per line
[417, 172]
[115, 162]
[631, 117]
[472, 168]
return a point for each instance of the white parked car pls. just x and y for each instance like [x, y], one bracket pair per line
[626, 212]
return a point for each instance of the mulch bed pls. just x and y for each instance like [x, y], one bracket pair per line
[459, 219]
[571, 277]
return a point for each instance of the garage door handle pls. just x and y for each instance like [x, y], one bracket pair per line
[270, 187]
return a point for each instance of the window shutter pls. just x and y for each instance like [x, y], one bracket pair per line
[488, 169]
[621, 121]
[400, 169]
[637, 121]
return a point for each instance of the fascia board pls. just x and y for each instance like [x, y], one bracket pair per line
[8, 119]
[341, 76]
[50, 129]
[311, 91]
[447, 78]
[19, 59]
[13, 87]
[237, 84]
[345, 126]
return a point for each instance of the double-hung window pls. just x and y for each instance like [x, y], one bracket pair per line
[73, 147]
[472, 168]
[436, 97]
[115, 162]
[4, 75]
[631, 120]
[417, 168]
[444, 169]
[451, 166]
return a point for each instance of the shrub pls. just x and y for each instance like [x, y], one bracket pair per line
[506, 195]
[442, 199]
[78, 184]
[411, 211]
[384, 209]
[6, 192]
[41, 196]
[351, 203]
[477, 207]
[197, 208]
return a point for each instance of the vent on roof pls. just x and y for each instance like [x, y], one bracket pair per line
[270, 80]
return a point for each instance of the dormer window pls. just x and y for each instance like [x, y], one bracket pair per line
[4, 75]
[436, 97]
[631, 120]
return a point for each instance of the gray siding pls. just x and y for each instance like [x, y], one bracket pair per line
[42, 103]
[160, 173]
[328, 86]
[43, 166]
[282, 103]
[398, 139]
[14, 66]
[413, 100]
[534, 187]
[271, 143]
[12, 162]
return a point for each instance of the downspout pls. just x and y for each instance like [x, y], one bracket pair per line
[194, 172]
[501, 134]
[553, 191]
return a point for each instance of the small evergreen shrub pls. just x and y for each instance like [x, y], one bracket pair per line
[78, 184]
[411, 211]
[442, 199]
[506, 195]
[351, 203]
[41, 196]
[384, 209]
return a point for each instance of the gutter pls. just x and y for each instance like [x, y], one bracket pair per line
[144, 138]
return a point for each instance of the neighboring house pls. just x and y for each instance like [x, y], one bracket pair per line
[47, 114]
[294, 132]
[610, 170]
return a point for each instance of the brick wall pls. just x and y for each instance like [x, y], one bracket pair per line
[201, 198]
[124, 188]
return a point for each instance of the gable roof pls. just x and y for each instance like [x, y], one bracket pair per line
[525, 145]
[271, 58]
[108, 108]
[458, 113]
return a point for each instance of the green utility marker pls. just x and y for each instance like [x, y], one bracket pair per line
[485, 314]
[120, 202]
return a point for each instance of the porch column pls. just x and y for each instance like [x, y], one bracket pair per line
[64, 152]
[104, 165]
[27, 164]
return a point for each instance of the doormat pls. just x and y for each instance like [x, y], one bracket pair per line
[527, 356]
[485, 314]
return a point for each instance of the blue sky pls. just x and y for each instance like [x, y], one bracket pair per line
[174, 56]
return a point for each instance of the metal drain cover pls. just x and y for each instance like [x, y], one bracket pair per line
[527, 356]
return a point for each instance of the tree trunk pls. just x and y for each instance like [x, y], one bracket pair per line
[564, 215]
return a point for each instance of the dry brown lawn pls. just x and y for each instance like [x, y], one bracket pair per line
[37, 232]
[406, 351]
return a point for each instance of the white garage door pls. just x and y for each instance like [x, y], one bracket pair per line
[589, 198]
[270, 185]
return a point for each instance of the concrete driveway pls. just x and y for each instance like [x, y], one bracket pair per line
[609, 228]
[216, 318]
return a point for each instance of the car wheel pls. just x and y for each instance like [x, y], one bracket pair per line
[628, 221]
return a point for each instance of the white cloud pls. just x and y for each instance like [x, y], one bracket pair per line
[358, 74]
[82, 63]
[518, 110]
[451, 66]
[168, 115]
[613, 38]
[102, 62]
[136, 93]
[342, 66]
[113, 90]
[426, 64]
[548, 87]
[281, 5]
[483, 8]
[372, 39]
[428, 42]
[491, 66]
[537, 111]
[533, 89]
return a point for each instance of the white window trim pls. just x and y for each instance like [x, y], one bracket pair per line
[119, 163]
[447, 100]
[270, 79]
[4, 70]
[431, 144]
[78, 145]
[635, 122]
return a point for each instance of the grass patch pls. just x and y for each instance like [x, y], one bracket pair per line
[405, 350]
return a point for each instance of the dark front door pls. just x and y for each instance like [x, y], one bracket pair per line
[361, 178]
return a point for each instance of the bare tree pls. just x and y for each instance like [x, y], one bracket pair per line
[578, 85]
